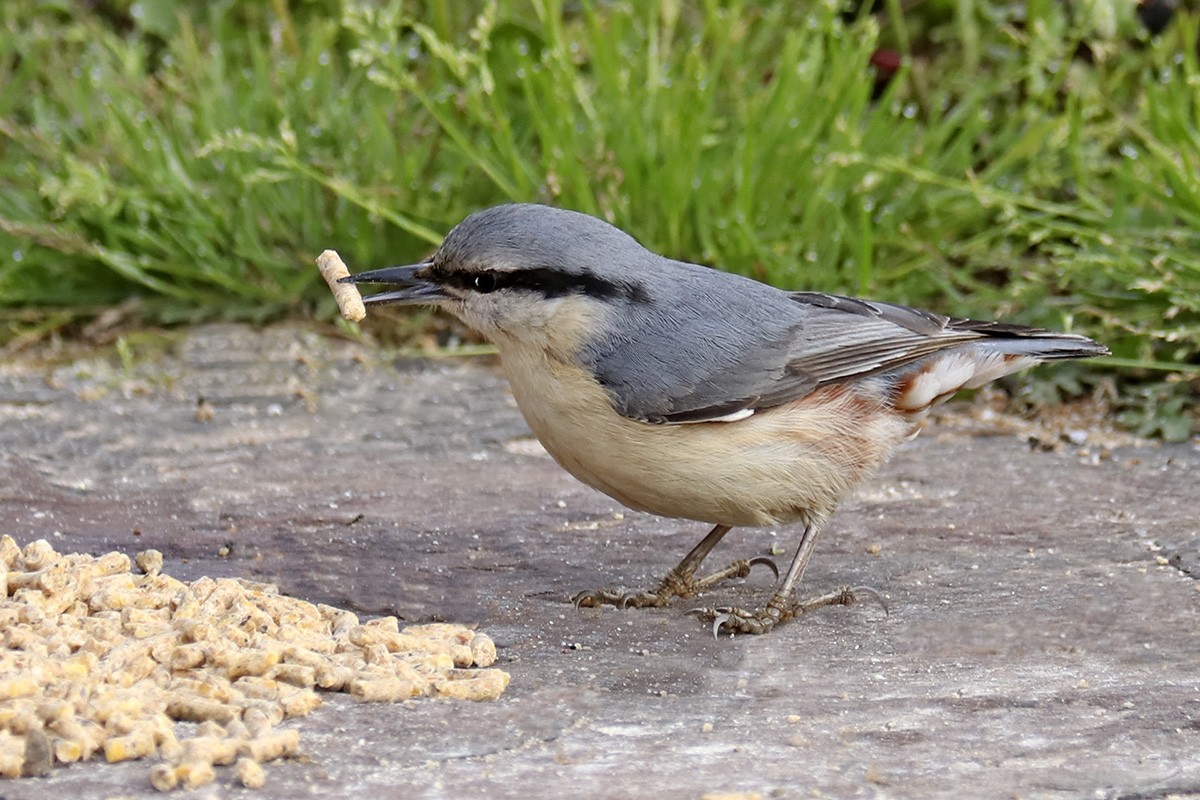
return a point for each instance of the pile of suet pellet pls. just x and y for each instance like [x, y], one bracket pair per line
[98, 659]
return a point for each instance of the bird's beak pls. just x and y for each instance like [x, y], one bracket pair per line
[413, 289]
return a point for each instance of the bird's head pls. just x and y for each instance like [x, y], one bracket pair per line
[525, 275]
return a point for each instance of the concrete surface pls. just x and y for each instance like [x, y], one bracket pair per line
[1043, 639]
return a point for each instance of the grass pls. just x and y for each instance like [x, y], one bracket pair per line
[1038, 162]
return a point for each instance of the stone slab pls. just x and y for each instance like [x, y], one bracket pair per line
[1043, 636]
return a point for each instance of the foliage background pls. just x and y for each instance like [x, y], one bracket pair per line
[1036, 161]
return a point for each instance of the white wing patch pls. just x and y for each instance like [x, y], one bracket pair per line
[734, 417]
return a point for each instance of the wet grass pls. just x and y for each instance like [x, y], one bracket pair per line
[1036, 161]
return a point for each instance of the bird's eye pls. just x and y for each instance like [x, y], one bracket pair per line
[485, 282]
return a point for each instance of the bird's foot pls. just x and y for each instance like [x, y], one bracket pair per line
[675, 584]
[594, 598]
[780, 609]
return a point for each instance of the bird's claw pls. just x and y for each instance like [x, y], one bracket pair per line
[607, 597]
[587, 599]
[766, 562]
[853, 596]
[723, 616]
[728, 619]
[675, 584]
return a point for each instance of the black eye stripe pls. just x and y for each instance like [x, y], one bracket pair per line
[541, 280]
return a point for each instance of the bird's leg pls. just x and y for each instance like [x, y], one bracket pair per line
[681, 581]
[782, 607]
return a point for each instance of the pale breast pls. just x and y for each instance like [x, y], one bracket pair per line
[794, 462]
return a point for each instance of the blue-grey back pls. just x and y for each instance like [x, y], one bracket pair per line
[711, 344]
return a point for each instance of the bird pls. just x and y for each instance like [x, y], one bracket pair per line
[689, 392]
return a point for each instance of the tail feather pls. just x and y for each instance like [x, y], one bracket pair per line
[1037, 343]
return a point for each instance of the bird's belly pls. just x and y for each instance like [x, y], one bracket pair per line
[795, 462]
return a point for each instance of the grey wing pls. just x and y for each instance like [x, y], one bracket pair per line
[847, 338]
[716, 360]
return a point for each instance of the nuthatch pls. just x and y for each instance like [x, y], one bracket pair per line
[690, 392]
